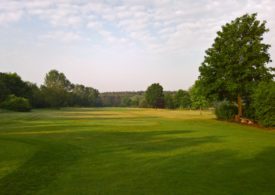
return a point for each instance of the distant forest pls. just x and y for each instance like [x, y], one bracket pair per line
[57, 91]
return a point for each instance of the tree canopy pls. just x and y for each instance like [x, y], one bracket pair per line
[84, 96]
[237, 61]
[197, 98]
[154, 96]
[264, 103]
[56, 88]
[12, 84]
[182, 99]
[55, 79]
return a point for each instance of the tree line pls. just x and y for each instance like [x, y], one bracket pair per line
[57, 91]
[180, 99]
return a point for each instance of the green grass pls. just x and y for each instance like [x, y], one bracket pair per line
[132, 151]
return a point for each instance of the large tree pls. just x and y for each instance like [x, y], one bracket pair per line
[154, 96]
[237, 61]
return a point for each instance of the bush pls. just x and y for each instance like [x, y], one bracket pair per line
[249, 111]
[225, 110]
[264, 103]
[16, 104]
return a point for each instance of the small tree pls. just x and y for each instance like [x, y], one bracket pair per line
[154, 96]
[236, 62]
[198, 100]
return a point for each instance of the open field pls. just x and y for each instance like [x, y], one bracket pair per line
[132, 151]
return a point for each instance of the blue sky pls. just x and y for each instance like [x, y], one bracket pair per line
[118, 45]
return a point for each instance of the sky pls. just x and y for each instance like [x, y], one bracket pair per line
[118, 45]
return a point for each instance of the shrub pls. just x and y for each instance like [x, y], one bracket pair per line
[16, 104]
[264, 103]
[249, 111]
[225, 110]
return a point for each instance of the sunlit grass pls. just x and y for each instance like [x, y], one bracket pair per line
[132, 151]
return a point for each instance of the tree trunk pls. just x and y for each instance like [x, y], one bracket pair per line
[240, 109]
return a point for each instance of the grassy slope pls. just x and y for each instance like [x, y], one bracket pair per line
[132, 151]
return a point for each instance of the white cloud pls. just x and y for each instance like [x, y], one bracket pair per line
[154, 24]
[10, 11]
[62, 36]
[9, 16]
[119, 40]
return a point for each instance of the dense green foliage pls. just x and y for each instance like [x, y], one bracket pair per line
[182, 99]
[154, 96]
[16, 104]
[60, 92]
[236, 62]
[172, 99]
[264, 103]
[56, 92]
[121, 99]
[57, 80]
[56, 89]
[225, 110]
[14, 93]
[37, 96]
[12, 84]
[169, 101]
[84, 96]
[198, 100]
[132, 151]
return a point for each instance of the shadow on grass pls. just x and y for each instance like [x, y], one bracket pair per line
[156, 141]
[149, 141]
[39, 171]
[222, 171]
[118, 170]
[218, 172]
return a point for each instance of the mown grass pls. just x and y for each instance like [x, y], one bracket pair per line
[132, 151]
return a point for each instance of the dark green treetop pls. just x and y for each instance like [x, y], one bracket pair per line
[55, 79]
[154, 96]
